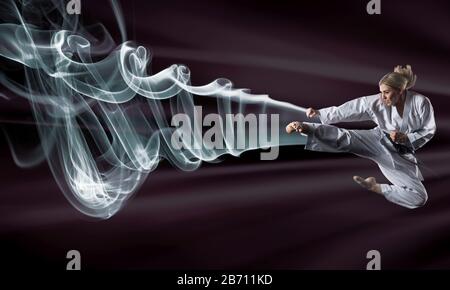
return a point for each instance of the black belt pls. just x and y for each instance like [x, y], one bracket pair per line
[400, 148]
[403, 150]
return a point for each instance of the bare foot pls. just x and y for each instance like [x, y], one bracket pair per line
[297, 127]
[369, 183]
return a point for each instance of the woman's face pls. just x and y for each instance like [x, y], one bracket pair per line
[389, 95]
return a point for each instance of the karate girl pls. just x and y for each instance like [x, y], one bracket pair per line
[405, 122]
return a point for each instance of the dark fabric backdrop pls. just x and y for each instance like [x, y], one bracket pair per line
[301, 211]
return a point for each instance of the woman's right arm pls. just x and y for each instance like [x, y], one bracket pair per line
[351, 111]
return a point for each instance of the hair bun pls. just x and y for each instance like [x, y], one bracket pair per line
[408, 74]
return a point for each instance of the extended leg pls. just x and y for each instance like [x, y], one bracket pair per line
[406, 189]
[328, 138]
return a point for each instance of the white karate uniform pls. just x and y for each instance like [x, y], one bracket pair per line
[417, 123]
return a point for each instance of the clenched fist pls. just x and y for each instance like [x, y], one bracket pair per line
[398, 137]
[310, 112]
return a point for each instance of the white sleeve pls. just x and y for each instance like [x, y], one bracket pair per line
[354, 110]
[420, 137]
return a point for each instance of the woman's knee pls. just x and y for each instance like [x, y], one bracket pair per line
[420, 199]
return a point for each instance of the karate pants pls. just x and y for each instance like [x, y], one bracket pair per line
[406, 189]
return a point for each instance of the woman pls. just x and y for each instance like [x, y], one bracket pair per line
[405, 122]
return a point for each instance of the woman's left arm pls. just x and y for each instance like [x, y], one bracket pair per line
[420, 137]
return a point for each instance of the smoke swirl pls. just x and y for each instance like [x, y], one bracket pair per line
[103, 120]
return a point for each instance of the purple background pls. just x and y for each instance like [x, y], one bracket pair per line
[302, 211]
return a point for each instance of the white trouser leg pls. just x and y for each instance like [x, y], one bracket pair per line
[406, 189]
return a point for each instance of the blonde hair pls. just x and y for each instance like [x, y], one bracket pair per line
[402, 78]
